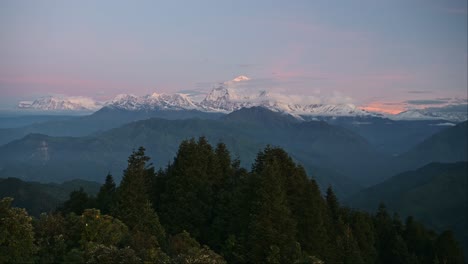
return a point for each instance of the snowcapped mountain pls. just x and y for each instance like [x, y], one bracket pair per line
[233, 95]
[75, 103]
[153, 101]
[454, 113]
[226, 99]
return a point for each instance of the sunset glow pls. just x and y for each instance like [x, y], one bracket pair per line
[385, 108]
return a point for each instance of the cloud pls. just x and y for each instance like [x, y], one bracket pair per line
[452, 108]
[384, 107]
[419, 92]
[426, 102]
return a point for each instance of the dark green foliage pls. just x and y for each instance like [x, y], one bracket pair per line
[134, 208]
[107, 195]
[16, 234]
[185, 249]
[39, 198]
[435, 194]
[194, 182]
[447, 249]
[216, 212]
[272, 229]
[51, 238]
[77, 203]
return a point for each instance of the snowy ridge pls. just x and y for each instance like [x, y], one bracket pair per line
[153, 101]
[225, 99]
[233, 95]
[76, 103]
[433, 114]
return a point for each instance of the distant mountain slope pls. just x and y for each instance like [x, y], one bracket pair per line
[42, 197]
[15, 121]
[449, 145]
[316, 144]
[393, 137]
[104, 119]
[435, 194]
[260, 116]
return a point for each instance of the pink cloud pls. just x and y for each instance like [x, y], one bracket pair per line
[383, 107]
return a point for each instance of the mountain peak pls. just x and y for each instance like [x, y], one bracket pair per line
[261, 115]
[52, 103]
[240, 78]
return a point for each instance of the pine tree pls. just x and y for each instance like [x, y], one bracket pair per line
[187, 202]
[135, 210]
[105, 199]
[364, 234]
[419, 241]
[391, 246]
[447, 249]
[333, 204]
[272, 229]
[77, 202]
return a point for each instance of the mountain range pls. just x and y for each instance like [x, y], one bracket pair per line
[228, 97]
[332, 154]
[319, 146]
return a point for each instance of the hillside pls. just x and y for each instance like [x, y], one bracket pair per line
[434, 194]
[315, 144]
[104, 119]
[42, 197]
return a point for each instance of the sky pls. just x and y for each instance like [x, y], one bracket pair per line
[380, 55]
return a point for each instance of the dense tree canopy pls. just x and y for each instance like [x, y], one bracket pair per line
[204, 208]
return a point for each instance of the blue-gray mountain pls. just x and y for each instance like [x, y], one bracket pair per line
[435, 194]
[332, 154]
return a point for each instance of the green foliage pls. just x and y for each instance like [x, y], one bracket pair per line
[16, 234]
[134, 208]
[185, 249]
[98, 253]
[272, 214]
[447, 249]
[434, 194]
[272, 228]
[107, 194]
[51, 238]
[101, 229]
[188, 200]
[77, 203]
[39, 198]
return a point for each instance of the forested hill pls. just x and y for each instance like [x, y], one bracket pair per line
[204, 208]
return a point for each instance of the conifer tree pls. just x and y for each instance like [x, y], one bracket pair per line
[419, 241]
[272, 229]
[447, 249]
[77, 202]
[106, 197]
[187, 202]
[135, 210]
[333, 204]
[391, 246]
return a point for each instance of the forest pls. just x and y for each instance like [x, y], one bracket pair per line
[205, 208]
